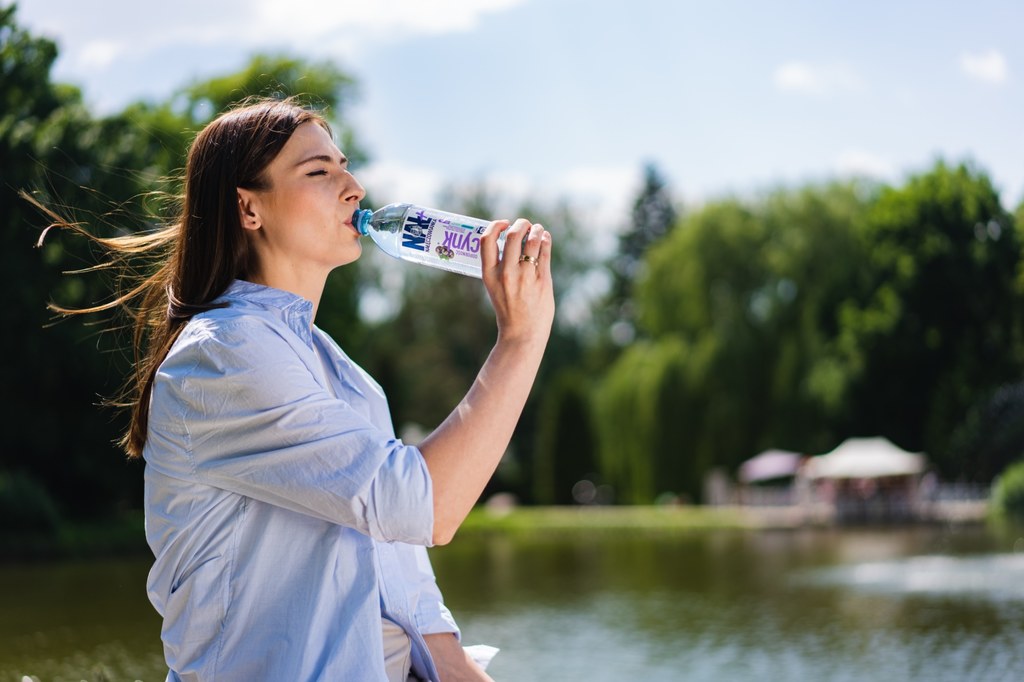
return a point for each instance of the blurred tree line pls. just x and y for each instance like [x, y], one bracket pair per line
[792, 319]
[802, 317]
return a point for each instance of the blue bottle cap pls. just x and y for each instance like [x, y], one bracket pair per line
[361, 220]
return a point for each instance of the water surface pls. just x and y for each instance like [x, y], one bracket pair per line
[928, 603]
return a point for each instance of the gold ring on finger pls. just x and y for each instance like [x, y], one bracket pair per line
[529, 259]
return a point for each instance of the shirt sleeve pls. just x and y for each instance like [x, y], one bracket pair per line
[238, 408]
[432, 616]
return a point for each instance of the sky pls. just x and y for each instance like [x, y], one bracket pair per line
[551, 99]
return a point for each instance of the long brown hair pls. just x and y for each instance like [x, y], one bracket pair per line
[179, 270]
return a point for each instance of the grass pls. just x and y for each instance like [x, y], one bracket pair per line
[619, 518]
[126, 535]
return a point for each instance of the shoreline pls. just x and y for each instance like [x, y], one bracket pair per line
[503, 518]
[126, 535]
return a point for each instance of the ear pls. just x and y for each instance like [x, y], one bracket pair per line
[248, 211]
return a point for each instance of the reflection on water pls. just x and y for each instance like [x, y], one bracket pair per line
[78, 621]
[892, 604]
[729, 606]
[999, 577]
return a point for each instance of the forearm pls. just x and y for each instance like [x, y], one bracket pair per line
[464, 451]
[451, 660]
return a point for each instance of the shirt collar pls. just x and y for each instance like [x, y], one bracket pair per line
[296, 311]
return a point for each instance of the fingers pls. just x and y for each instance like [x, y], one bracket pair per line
[489, 245]
[527, 248]
[533, 247]
[514, 240]
[544, 255]
[519, 283]
[526, 245]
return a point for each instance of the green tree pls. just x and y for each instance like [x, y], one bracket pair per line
[321, 85]
[939, 327]
[991, 437]
[566, 449]
[652, 218]
[103, 172]
[59, 443]
[755, 286]
[647, 422]
[838, 310]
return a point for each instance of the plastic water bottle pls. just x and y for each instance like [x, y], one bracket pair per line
[440, 239]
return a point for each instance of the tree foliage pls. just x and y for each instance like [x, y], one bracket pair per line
[566, 448]
[991, 437]
[652, 217]
[645, 415]
[939, 327]
[791, 319]
[815, 314]
[46, 133]
[427, 354]
[116, 173]
[756, 286]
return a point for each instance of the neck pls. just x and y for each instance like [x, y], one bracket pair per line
[306, 286]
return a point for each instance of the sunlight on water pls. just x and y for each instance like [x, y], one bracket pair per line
[841, 605]
[996, 576]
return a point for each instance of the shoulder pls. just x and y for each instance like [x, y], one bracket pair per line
[234, 336]
[344, 364]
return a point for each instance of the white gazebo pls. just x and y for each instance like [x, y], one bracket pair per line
[866, 458]
[869, 479]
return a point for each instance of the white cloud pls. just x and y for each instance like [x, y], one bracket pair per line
[817, 79]
[603, 195]
[381, 17]
[342, 29]
[390, 181]
[94, 34]
[99, 54]
[860, 162]
[510, 186]
[989, 66]
[608, 190]
[600, 179]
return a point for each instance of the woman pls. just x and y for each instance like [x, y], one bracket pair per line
[288, 523]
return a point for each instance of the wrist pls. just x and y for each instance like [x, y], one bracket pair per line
[528, 341]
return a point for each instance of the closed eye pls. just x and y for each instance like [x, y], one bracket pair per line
[317, 172]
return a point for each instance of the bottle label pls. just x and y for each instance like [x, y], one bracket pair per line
[446, 236]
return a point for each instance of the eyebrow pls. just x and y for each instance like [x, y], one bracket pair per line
[322, 158]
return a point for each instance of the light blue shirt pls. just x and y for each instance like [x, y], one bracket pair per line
[285, 516]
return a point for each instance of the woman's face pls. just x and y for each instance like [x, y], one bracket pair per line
[302, 224]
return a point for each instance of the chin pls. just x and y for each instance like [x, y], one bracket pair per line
[352, 253]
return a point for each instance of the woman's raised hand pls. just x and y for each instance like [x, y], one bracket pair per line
[463, 452]
[519, 282]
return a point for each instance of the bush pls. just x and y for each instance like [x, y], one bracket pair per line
[25, 506]
[1008, 493]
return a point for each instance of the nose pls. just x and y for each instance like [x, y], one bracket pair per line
[352, 192]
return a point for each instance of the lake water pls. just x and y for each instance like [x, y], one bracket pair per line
[924, 603]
